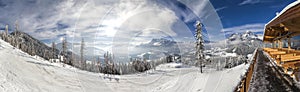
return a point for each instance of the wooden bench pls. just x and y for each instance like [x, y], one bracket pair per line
[296, 51]
[278, 58]
[274, 54]
[266, 49]
[290, 64]
[289, 58]
[271, 50]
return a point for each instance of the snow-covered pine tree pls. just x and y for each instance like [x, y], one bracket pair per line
[4, 35]
[64, 50]
[53, 51]
[6, 32]
[16, 36]
[199, 44]
[83, 63]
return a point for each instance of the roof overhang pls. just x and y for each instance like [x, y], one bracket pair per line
[285, 24]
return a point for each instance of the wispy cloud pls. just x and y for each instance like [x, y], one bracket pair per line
[257, 27]
[221, 8]
[249, 2]
[103, 23]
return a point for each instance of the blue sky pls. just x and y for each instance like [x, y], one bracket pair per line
[121, 24]
[251, 14]
[236, 13]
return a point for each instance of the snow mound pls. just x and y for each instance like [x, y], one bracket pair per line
[171, 65]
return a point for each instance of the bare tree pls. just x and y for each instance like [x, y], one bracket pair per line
[199, 44]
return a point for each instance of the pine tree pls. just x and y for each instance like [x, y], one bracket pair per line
[6, 30]
[16, 36]
[199, 44]
[32, 49]
[53, 50]
[64, 50]
[5, 35]
[82, 54]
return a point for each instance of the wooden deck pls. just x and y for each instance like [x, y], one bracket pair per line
[286, 58]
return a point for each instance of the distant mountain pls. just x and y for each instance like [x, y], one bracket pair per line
[243, 43]
[247, 36]
[162, 42]
[158, 47]
[90, 53]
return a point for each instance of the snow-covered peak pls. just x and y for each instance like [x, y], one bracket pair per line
[248, 35]
[234, 36]
[160, 42]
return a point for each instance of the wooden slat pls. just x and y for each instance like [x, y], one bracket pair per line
[290, 64]
[288, 55]
[291, 58]
[272, 50]
[277, 52]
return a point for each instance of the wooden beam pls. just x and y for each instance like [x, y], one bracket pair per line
[295, 34]
[278, 28]
[291, 27]
[269, 36]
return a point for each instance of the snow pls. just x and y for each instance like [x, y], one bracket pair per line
[20, 72]
[171, 65]
[250, 56]
[157, 44]
[230, 55]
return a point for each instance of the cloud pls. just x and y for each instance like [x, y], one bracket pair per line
[221, 8]
[208, 16]
[256, 27]
[102, 23]
[249, 2]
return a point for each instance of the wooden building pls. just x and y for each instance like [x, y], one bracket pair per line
[279, 32]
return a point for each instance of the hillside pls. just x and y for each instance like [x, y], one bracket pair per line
[32, 46]
[20, 72]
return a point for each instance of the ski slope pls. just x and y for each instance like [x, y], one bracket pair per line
[20, 72]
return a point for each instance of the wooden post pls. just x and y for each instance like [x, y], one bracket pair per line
[273, 44]
[280, 43]
[289, 44]
[277, 45]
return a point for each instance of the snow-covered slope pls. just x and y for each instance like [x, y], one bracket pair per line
[20, 72]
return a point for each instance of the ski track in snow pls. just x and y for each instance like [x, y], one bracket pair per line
[20, 72]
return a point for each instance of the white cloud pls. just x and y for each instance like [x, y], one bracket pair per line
[256, 27]
[221, 8]
[100, 22]
[249, 2]
[208, 16]
[246, 2]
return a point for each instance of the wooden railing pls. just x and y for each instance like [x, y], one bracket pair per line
[243, 86]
